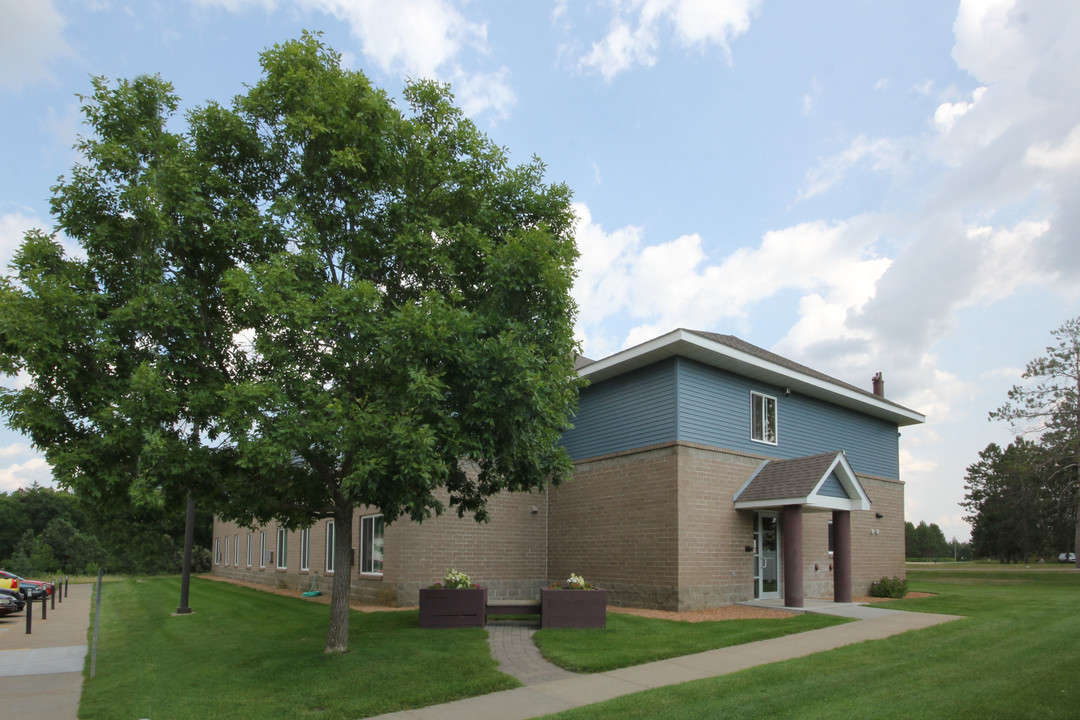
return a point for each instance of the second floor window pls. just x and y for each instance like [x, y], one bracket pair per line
[762, 418]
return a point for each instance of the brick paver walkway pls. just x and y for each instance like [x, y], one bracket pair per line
[511, 644]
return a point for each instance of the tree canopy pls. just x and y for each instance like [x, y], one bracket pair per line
[307, 302]
[1046, 407]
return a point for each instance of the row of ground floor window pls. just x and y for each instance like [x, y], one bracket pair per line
[250, 549]
[656, 528]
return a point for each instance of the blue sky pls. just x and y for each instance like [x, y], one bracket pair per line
[858, 186]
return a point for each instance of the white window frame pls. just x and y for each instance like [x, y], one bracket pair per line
[250, 535]
[282, 549]
[830, 538]
[217, 551]
[372, 552]
[330, 530]
[236, 555]
[262, 549]
[759, 406]
[226, 549]
[305, 549]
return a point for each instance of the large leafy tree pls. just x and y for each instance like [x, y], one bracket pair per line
[126, 344]
[411, 346]
[1047, 407]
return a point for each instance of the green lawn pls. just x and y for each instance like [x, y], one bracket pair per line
[632, 640]
[1016, 655]
[249, 654]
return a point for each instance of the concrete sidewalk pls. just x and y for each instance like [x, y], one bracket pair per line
[41, 673]
[557, 695]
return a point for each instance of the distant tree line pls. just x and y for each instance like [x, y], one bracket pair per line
[928, 542]
[1022, 500]
[45, 531]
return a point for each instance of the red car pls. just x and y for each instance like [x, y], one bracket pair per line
[30, 588]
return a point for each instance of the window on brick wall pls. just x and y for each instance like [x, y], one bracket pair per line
[249, 549]
[262, 549]
[236, 544]
[282, 547]
[371, 544]
[763, 418]
[305, 548]
[217, 551]
[226, 549]
[832, 538]
[330, 546]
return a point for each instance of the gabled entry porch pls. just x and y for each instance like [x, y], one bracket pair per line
[785, 490]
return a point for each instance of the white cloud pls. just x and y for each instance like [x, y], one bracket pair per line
[1063, 156]
[485, 92]
[811, 96]
[634, 34]
[621, 49]
[31, 42]
[25, 474]
[419, 38]
[947, 114]
[883, 154]
[414, 38]
[13, 226]
[15, 450]
[675, 284]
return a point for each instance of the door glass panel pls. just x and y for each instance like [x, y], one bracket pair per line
[770, 561]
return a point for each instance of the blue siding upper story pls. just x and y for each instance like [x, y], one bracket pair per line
[680, 399]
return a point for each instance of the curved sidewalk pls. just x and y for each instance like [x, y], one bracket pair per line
[41, 673]
[555, 696]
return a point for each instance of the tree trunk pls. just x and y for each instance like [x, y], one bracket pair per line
[337, 635]
[1076, 540]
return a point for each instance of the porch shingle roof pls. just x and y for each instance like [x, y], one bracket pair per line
[780, 479]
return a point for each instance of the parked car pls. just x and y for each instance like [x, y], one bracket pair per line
[1067, 557]
[7, 583]
[16, 595]
[30, 588]
[7, 605]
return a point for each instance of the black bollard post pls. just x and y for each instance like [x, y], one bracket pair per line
[65, 585]
[29, 609]
[56, 588]
[52, 598]
[44, 615]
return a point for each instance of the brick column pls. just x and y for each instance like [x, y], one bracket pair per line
[841, 523]
[792, 531]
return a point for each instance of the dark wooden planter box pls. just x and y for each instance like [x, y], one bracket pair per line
[573, 608]
[442, 608]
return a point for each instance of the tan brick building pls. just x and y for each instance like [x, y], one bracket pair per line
[708, 471]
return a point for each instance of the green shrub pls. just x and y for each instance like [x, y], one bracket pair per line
[893, 587]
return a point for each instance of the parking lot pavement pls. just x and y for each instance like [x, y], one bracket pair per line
[41, 673]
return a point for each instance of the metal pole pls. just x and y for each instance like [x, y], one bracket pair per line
[97, 621]
[29, 608]
[65, 585]
[189, 536]
[56, 589]
[52, 597]
[44, 615]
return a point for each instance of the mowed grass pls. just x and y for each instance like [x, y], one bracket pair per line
[633, 640]
[250, 654]
[1016, 655]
